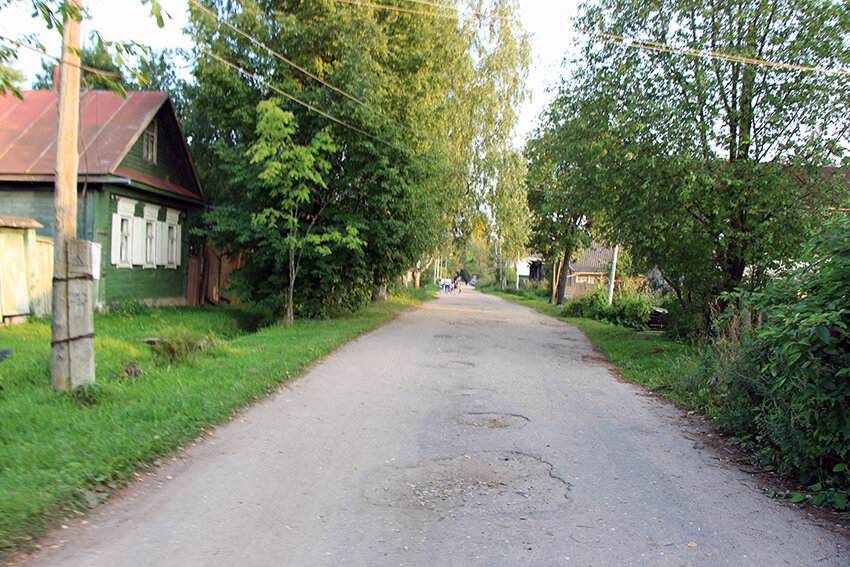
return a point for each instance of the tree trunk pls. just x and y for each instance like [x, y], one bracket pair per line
[556, 272]
[290, 312]
[417, 273]
[517, 272]
[499, 260]
[562, 277]
[379, 293]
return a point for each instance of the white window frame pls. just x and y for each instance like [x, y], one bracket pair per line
[149, 142]
[149, 247]
[122, 240]
[171, 234]
[125, 246]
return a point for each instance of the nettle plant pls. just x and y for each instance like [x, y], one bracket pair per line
[795, 378]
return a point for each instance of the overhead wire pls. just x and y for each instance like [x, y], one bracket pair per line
[301, 69]
[704, 53]
[307, 105]
[390, 7]
[60, 59]
[400, 9]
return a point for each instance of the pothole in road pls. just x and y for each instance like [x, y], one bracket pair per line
[492, 420]
[491, 481]
[451, 364]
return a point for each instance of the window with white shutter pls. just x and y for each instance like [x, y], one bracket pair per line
[151, 213]
[172, 236]
[121, 251]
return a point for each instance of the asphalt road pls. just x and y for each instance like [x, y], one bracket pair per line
[469, 431]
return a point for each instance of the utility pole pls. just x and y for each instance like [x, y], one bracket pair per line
[611, 277]
[72, 352]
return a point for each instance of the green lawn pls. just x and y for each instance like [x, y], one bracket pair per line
[62, 453]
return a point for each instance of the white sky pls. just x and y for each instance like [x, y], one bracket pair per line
[549, 22]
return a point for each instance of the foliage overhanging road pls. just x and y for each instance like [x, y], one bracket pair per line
[469, 431]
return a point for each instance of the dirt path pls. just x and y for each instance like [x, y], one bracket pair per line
[469, 431]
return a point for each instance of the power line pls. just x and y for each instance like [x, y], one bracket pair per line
[301, 102]
[400, 9]
[430, 13]
[704, 53]
[434, 4]
[61, 60]
[305, 71]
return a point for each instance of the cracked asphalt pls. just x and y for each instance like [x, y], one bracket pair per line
[469, 431]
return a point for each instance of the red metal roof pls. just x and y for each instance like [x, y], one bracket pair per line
[109, 126]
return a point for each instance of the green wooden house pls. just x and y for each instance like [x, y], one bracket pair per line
[136, 186]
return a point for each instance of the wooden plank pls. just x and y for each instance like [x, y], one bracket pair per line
[14, 296]
[41, 296]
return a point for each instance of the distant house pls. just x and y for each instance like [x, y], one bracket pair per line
[136, 185]
[592, 266]
[530, 268]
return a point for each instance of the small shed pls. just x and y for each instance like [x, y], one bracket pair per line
[26, 269]
[530, 268]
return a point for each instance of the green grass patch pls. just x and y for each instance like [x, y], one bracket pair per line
[61, 454]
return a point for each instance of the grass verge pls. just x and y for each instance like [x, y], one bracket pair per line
[61, 454]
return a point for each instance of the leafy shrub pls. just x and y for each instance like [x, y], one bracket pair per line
[178, 345]
[682, 322]
[630, 307]
[591, 305]
[790, 388]
[527, 289]
[87, 394]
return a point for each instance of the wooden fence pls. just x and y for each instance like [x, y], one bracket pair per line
[208, 275]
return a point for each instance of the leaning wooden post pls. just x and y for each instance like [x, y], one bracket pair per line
[72, 352]
[611, 277]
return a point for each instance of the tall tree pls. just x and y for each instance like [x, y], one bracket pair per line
[509, 205]
[280, 220]
[714, 160]
[563, 155]
[402, 168]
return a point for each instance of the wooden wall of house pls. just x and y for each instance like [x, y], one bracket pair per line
[170, 163]
[158, 283]
[94, 222]
[35, 201]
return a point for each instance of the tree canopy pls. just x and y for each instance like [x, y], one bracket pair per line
[419, 107]
[714, 133]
